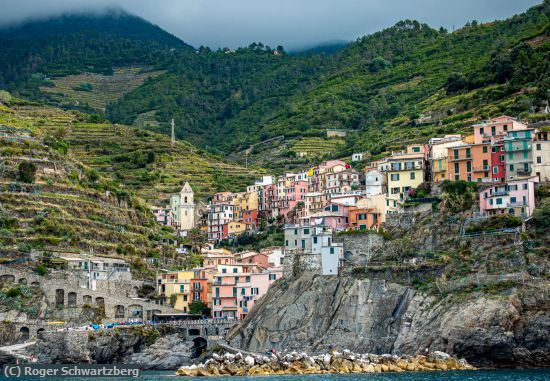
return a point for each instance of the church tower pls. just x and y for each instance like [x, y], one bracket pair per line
[187, 208]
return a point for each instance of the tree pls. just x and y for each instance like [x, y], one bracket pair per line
[27, 172]
[199, 308]
[198, 240]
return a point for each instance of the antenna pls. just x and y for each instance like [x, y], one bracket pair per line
[173, 134]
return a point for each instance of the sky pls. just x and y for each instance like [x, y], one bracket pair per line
[291, 23]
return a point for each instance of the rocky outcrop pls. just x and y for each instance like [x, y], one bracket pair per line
[168, 352]
[316, 314]
[138, 345]
[301, 363]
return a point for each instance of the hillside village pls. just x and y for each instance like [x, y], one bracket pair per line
[503, 159]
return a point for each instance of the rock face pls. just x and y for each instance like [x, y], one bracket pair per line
[316, 314]
[166, 352]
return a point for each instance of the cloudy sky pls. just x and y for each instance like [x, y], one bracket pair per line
[292, 23]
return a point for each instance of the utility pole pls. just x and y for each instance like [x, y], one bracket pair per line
[173, 135]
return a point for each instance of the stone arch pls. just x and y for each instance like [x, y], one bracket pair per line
[199, 345]
[87, 299]
[71, 299]
[194, 332]
[7, 278]
[151, 313]
[135, 311]
[119, 311]
[40, 330]
[59, 298]
[35, 284]
[100, 301]
[134, 292]
[22, 281]
[24, 333]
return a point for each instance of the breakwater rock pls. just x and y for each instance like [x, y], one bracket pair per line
[336, 362]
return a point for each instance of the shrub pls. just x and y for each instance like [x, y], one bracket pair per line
[42, 270]
[27, 172]
[13, 292]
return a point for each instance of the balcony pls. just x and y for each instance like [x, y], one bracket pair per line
[483, 168]
[459, 158]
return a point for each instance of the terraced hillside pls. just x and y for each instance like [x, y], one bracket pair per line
[315, 147]
[48, 200]
[95, 91]
[140, 160]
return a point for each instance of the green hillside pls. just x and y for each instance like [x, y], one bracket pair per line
[396, 86]
[50, 201]
[137, 160]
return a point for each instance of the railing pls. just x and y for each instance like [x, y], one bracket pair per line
[484, 168]
[457, 158]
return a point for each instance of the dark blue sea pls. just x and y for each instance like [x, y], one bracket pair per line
[479, 375]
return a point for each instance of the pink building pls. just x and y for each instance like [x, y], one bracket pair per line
[496, 129]
[516, 197]
[164, 216]
[233, 295]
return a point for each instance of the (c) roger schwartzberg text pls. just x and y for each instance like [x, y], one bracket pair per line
[23, 371]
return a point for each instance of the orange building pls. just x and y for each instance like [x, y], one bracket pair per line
[201, 286]
[363, 218]
[470, 162]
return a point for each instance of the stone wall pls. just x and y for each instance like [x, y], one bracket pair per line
[296, 263]
[359, 248]
[66, 297]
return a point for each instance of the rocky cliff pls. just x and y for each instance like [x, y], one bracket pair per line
[145, 346]
[318, 313]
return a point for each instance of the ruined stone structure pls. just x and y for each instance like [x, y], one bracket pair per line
[65, 294]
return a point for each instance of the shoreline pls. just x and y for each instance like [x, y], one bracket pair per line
[335, 363]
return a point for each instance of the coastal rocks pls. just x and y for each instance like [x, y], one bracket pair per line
[347, 362]
[167, 352]
[315, 314]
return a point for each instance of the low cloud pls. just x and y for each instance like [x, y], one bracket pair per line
[292, 23]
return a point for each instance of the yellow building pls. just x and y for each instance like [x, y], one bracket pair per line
[235, 228]
[249, 201]
[404, 171]
[176, 283]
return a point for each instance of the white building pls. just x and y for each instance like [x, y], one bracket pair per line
[183, 208]
[359, 156]
[375, 182]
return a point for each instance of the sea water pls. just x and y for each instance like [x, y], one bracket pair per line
[478, 375]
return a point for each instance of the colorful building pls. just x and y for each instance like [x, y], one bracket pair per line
[518, 155]
[175, 288]
[470, 163]
[496, 129]
[405, 171]
[516, 197]
[439, 154]
[541, 155]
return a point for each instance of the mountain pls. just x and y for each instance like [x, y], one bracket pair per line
[403, 84]
[73, 43]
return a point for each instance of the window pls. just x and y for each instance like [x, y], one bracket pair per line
[455, 153]
[254, 291]
[185, 298]
[182, 288]
[235, 291]
[468, 152]
[395, 177]
[235, 270]
[332, 250]
[217, 292]
[468, 166]
[495, 170]
[286, 242]
[413, 175]
[303, 244]
[493, 130]
[513, 200]
[499, 201]
[272, 276]
[539, 160]
[243, 291]
[306, 231]
[481, 130]
[505, 127]
[538, 147]
[484, 149]
[511, 156]
[416, 149]
[457, 168]
[314, 239]
[511, 167]
[224, 271]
